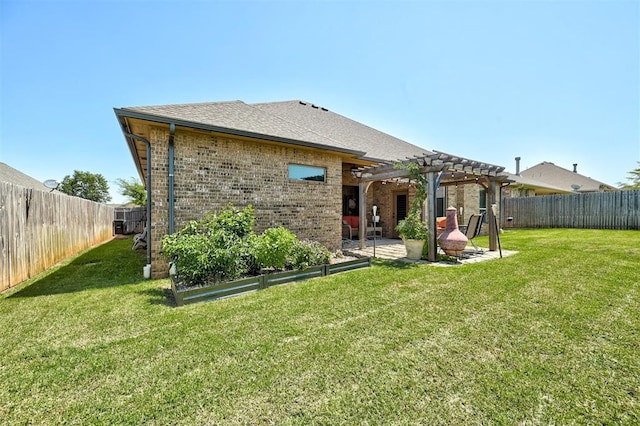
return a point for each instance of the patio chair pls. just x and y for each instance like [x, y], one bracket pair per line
[347, 233]
[140, 240]
[473, 228]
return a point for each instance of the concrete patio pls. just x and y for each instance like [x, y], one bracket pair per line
[393, 249]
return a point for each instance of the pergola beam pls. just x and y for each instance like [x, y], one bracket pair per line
[439, 168]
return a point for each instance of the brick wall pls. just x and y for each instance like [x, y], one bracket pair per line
[213, 171]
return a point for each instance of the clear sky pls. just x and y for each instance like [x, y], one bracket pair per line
[551, 81]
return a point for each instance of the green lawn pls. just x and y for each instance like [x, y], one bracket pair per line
[547, 336]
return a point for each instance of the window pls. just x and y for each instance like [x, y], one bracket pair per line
[441, 195]
[299, 172]
[483, 203]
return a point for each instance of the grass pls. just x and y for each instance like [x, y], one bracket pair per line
[548, 336]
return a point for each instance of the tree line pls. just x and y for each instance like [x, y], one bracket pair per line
[94, 187]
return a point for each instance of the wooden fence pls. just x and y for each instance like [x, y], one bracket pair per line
[131, 219]
[39, 229]
[598, 210]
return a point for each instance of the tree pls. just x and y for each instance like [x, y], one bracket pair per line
[633, 178]
[86, 185]
[134, 190]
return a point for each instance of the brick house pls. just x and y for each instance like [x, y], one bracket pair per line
[293, 161]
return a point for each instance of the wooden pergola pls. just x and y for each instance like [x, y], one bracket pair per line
[440, 169]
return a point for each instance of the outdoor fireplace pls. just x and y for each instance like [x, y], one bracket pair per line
[452, 240]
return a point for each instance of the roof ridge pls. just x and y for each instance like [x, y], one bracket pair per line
[565, 172]
[186, 104]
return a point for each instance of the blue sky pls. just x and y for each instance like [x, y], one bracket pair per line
[487, 80]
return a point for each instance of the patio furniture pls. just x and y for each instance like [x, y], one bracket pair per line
[140, 240]
[347, 234]
[353, 222]
[441, 224]
[473, 228]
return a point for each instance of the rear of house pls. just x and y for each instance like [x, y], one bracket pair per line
[293, 161]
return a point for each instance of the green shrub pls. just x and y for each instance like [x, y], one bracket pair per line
[308, 253]
[232, 220]
[222, 246]
[412, 227]
[214, 249]
[190, 253]
[274, 246]
[248, 254]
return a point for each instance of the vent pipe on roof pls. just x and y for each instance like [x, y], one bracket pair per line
[517, 166]
[575, 167]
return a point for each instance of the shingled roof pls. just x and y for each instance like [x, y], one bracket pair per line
[16, 177]
[559, 177]
[541, 188]
[294, 122]
[375, 144]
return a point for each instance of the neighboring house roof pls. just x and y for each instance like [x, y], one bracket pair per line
[16, 177]
[551, 174]
[541, 188]
[294, 122]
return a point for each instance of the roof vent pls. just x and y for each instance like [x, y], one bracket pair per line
[324, 109]
[575, 167]
[302, 103]
[314, 106]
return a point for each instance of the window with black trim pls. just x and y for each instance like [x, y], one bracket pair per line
[301, 173]
[482, 201]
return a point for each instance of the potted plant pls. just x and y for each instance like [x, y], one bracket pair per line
[413, 232]
[412, 229]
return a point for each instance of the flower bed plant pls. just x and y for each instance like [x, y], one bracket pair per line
[412, 227]
[221, 255]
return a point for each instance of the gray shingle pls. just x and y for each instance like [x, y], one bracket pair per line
[357, 136]
[16, 177]
[291, 120]
[532, 183]
[557, 176]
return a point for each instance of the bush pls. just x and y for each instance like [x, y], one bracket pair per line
[216, 248]
[308, 253]
[190, 253]
[412, 227]
[274, 246]
[222, 246]
[232, 221]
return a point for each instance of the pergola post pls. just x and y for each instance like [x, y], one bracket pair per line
[493, 230]
[436, 166]
[362, 225]
[431, 188]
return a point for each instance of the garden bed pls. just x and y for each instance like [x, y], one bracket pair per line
[189, 295]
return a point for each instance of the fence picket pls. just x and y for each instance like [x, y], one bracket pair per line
[39, 229]
[598, 210]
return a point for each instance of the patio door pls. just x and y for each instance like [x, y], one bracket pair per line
[400, 209]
